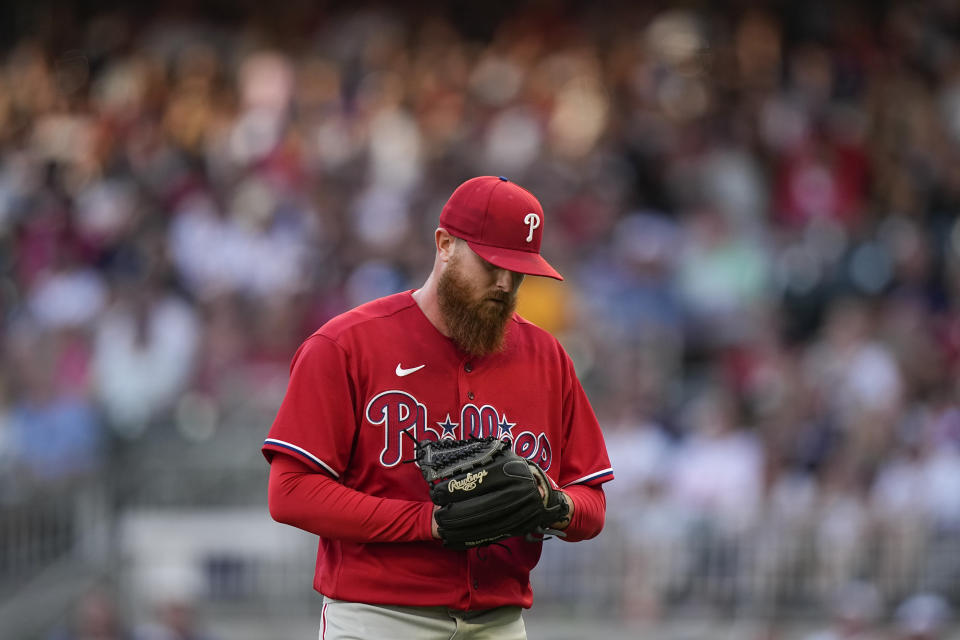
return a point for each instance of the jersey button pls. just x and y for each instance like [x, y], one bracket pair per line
[468, 367]
[476, 584]
[470, 395]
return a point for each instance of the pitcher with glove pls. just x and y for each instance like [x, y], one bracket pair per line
[507, 449]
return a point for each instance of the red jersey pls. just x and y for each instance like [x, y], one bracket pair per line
[383, 368]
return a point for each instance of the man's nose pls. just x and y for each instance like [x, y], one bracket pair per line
[507, 280]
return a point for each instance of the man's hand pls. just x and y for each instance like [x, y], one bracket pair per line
[565, 522]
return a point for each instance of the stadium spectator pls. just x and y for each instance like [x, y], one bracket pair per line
[143, 355]
[95, 617]
[923, 616]
[856, 609]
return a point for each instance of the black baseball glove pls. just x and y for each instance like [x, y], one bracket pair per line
[487, 493]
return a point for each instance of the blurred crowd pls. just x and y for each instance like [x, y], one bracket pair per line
[97, 616]
[755, 207]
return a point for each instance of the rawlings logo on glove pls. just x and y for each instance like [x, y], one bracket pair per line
[468, 483]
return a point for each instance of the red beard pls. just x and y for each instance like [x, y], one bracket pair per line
[478, 327]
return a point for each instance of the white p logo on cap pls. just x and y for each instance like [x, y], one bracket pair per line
[533, 220]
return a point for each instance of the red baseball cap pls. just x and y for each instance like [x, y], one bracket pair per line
[501, 221]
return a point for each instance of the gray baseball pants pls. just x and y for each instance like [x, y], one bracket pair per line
[342, 620]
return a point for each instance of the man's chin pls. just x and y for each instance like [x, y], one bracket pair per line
[483, 338]
[479, 349]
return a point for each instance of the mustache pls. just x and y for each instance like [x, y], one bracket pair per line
[500, 296]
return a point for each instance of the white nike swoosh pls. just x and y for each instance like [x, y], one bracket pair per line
[405, 372]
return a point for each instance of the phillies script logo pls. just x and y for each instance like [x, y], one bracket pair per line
[398, 411]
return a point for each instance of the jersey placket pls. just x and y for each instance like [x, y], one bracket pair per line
[473, 582]
[467, 394]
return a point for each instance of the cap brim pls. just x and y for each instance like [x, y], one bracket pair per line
[520, 261]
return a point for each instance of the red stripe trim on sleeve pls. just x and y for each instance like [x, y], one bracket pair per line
[301, 452]
[598, 477]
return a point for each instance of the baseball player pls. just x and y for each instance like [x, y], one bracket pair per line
[450, 360]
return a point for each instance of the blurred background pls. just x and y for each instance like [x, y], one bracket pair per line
[755, 205]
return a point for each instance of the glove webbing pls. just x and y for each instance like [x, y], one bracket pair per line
[440, 459]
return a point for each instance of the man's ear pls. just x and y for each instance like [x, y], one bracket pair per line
[446, 244]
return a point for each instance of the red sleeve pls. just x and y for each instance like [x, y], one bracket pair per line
[316, 422]
[585, 459]
[589, 511]
[317, 503]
